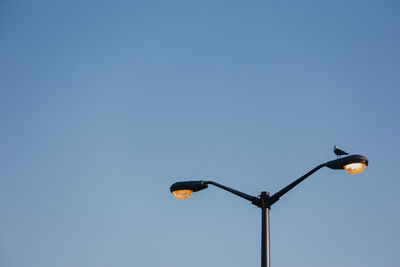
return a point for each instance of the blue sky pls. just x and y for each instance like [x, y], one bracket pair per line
[105, 104]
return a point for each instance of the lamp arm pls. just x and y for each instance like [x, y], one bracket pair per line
[274, 198]
[233, 191]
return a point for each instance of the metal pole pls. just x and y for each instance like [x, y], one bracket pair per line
[265, 247]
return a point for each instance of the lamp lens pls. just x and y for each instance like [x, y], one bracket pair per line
[354, 168]
[182, 194]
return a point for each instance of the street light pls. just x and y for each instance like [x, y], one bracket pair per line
[352, 164]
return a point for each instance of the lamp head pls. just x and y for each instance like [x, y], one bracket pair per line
[351, 164]
[183, 190]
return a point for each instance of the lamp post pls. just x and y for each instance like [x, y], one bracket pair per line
[352, 164]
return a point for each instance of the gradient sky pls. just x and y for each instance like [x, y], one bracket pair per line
[105, 104]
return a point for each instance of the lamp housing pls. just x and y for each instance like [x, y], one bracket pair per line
[341, 163]
[189, 185]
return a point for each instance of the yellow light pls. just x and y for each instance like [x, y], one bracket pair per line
[182, 194]
[354, 168]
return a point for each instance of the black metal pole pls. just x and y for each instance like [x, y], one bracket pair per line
[265, 244]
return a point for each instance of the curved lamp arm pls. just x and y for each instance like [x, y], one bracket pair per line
[233, 191]
[275, 197]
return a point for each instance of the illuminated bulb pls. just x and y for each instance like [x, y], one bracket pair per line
[182, 194]
[354, 168]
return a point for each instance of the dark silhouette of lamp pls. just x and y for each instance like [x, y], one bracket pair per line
[353, 164]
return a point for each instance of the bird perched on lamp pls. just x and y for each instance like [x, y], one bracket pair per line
[338, 152]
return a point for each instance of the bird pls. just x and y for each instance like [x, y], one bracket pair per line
[338, 152]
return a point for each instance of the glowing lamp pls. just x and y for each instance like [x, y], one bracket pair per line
[354, 168]
[183, 190]
[182, 194]
[351, 164]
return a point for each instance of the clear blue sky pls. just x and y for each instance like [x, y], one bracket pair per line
[105, 104]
